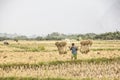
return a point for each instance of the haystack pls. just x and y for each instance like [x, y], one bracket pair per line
[85, 44]
[84, 49]
[61, 47]
[6, 43]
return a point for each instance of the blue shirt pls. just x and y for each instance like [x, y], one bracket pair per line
[74, 49]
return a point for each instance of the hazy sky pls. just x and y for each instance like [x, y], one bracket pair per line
[30, 17]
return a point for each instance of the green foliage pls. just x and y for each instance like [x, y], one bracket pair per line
[108, 36]
[59, 36]
[4, 38]
[39, 38]
[21, 38]
[103, 36]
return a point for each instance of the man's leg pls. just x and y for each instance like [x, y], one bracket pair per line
[75, 56]
[72, 56]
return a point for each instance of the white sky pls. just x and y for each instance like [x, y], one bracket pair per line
[31, 17]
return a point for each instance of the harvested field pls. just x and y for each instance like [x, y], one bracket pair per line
[41, 60]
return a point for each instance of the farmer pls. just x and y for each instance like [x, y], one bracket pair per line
[73, 49]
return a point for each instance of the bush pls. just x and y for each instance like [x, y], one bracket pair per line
[42, 48]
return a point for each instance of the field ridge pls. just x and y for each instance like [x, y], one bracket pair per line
[79, 61]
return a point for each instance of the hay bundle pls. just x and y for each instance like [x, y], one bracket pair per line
[61, 47]
[60, 44]
[16, 40]
[85, 44]
[6, 43]
[84, 49]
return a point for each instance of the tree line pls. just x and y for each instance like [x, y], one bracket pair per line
[59, 36]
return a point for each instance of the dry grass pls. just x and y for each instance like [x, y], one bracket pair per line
[35, 57]
[29, 52]
[67, 70]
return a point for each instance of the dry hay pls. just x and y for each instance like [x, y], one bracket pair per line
[84, 49]
[16, 40]
[85, 44]
[61, 47]
[6, 43]
[61, 44]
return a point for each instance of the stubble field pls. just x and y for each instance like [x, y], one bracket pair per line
[40, 60]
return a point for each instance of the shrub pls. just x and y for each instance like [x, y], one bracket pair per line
[42, 48]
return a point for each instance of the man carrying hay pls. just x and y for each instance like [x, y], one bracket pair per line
[74, 51]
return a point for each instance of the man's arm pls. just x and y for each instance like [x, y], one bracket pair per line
[70, 48]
